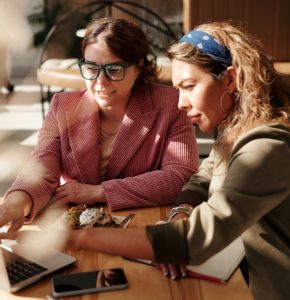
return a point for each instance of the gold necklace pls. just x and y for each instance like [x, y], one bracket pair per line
[107, 132]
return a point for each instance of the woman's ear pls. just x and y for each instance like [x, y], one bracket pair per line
[140, 65]
[141, 62]
[231, 75]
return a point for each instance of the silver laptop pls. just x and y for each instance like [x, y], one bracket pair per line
[20, 266]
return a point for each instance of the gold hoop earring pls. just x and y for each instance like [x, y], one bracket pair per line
[221, 102]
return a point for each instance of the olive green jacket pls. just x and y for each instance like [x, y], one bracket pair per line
[249, 195]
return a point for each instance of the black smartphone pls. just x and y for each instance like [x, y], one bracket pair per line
[88, 282]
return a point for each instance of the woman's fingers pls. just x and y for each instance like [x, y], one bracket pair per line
[16, 225]
[164, 269]
[62, 194]
[183, 271]
[174, 271]
[68, 192]
[7, 236]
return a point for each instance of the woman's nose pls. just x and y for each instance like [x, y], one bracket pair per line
[102, 78]
[183, 103]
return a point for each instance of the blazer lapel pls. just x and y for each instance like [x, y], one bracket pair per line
[84, 136]
[135, 126]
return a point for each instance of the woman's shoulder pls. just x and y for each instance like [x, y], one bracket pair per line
[260, 161]
[272, 131]
[69, 96]
[264, 138]
[67, 100]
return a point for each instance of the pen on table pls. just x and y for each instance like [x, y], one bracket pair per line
[205, 277]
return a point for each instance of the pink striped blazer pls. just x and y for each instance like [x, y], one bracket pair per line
[153, 155]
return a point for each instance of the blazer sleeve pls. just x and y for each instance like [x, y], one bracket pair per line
[159, 187]
[195, 191]
[257, 181]
[41, 174]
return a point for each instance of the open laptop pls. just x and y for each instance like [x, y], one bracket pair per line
[20, 266]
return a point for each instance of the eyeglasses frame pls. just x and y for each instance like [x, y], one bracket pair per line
[104, 67]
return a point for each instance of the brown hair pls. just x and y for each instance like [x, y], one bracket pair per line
[262, 94]
[126, 40]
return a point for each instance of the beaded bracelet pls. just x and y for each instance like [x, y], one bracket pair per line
[179, 209]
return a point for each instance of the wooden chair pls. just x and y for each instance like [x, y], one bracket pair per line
[62, 47]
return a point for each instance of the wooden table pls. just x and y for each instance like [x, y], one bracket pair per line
[145, 282]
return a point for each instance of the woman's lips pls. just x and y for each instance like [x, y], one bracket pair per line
[104, 93]
[194, 119]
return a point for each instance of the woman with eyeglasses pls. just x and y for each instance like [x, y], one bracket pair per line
[226, 83]
[120, 142]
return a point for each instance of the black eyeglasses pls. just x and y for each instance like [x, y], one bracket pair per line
[114, 72]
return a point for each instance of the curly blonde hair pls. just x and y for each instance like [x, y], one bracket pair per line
[262, 94]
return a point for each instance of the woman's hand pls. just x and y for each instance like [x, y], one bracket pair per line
[13, 209]
[75, 192]
[175, 271]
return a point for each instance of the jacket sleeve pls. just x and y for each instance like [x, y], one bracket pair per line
[159, 187]
[195, 191]
[256, 182]
[41, 174]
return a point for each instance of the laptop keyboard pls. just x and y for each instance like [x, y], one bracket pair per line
[20, 268]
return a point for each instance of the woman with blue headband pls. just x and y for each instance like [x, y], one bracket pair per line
[226, 84]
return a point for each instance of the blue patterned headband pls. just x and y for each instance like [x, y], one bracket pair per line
[209, 45]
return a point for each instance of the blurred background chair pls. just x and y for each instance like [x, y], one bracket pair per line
[62, 46]
[15, 37]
